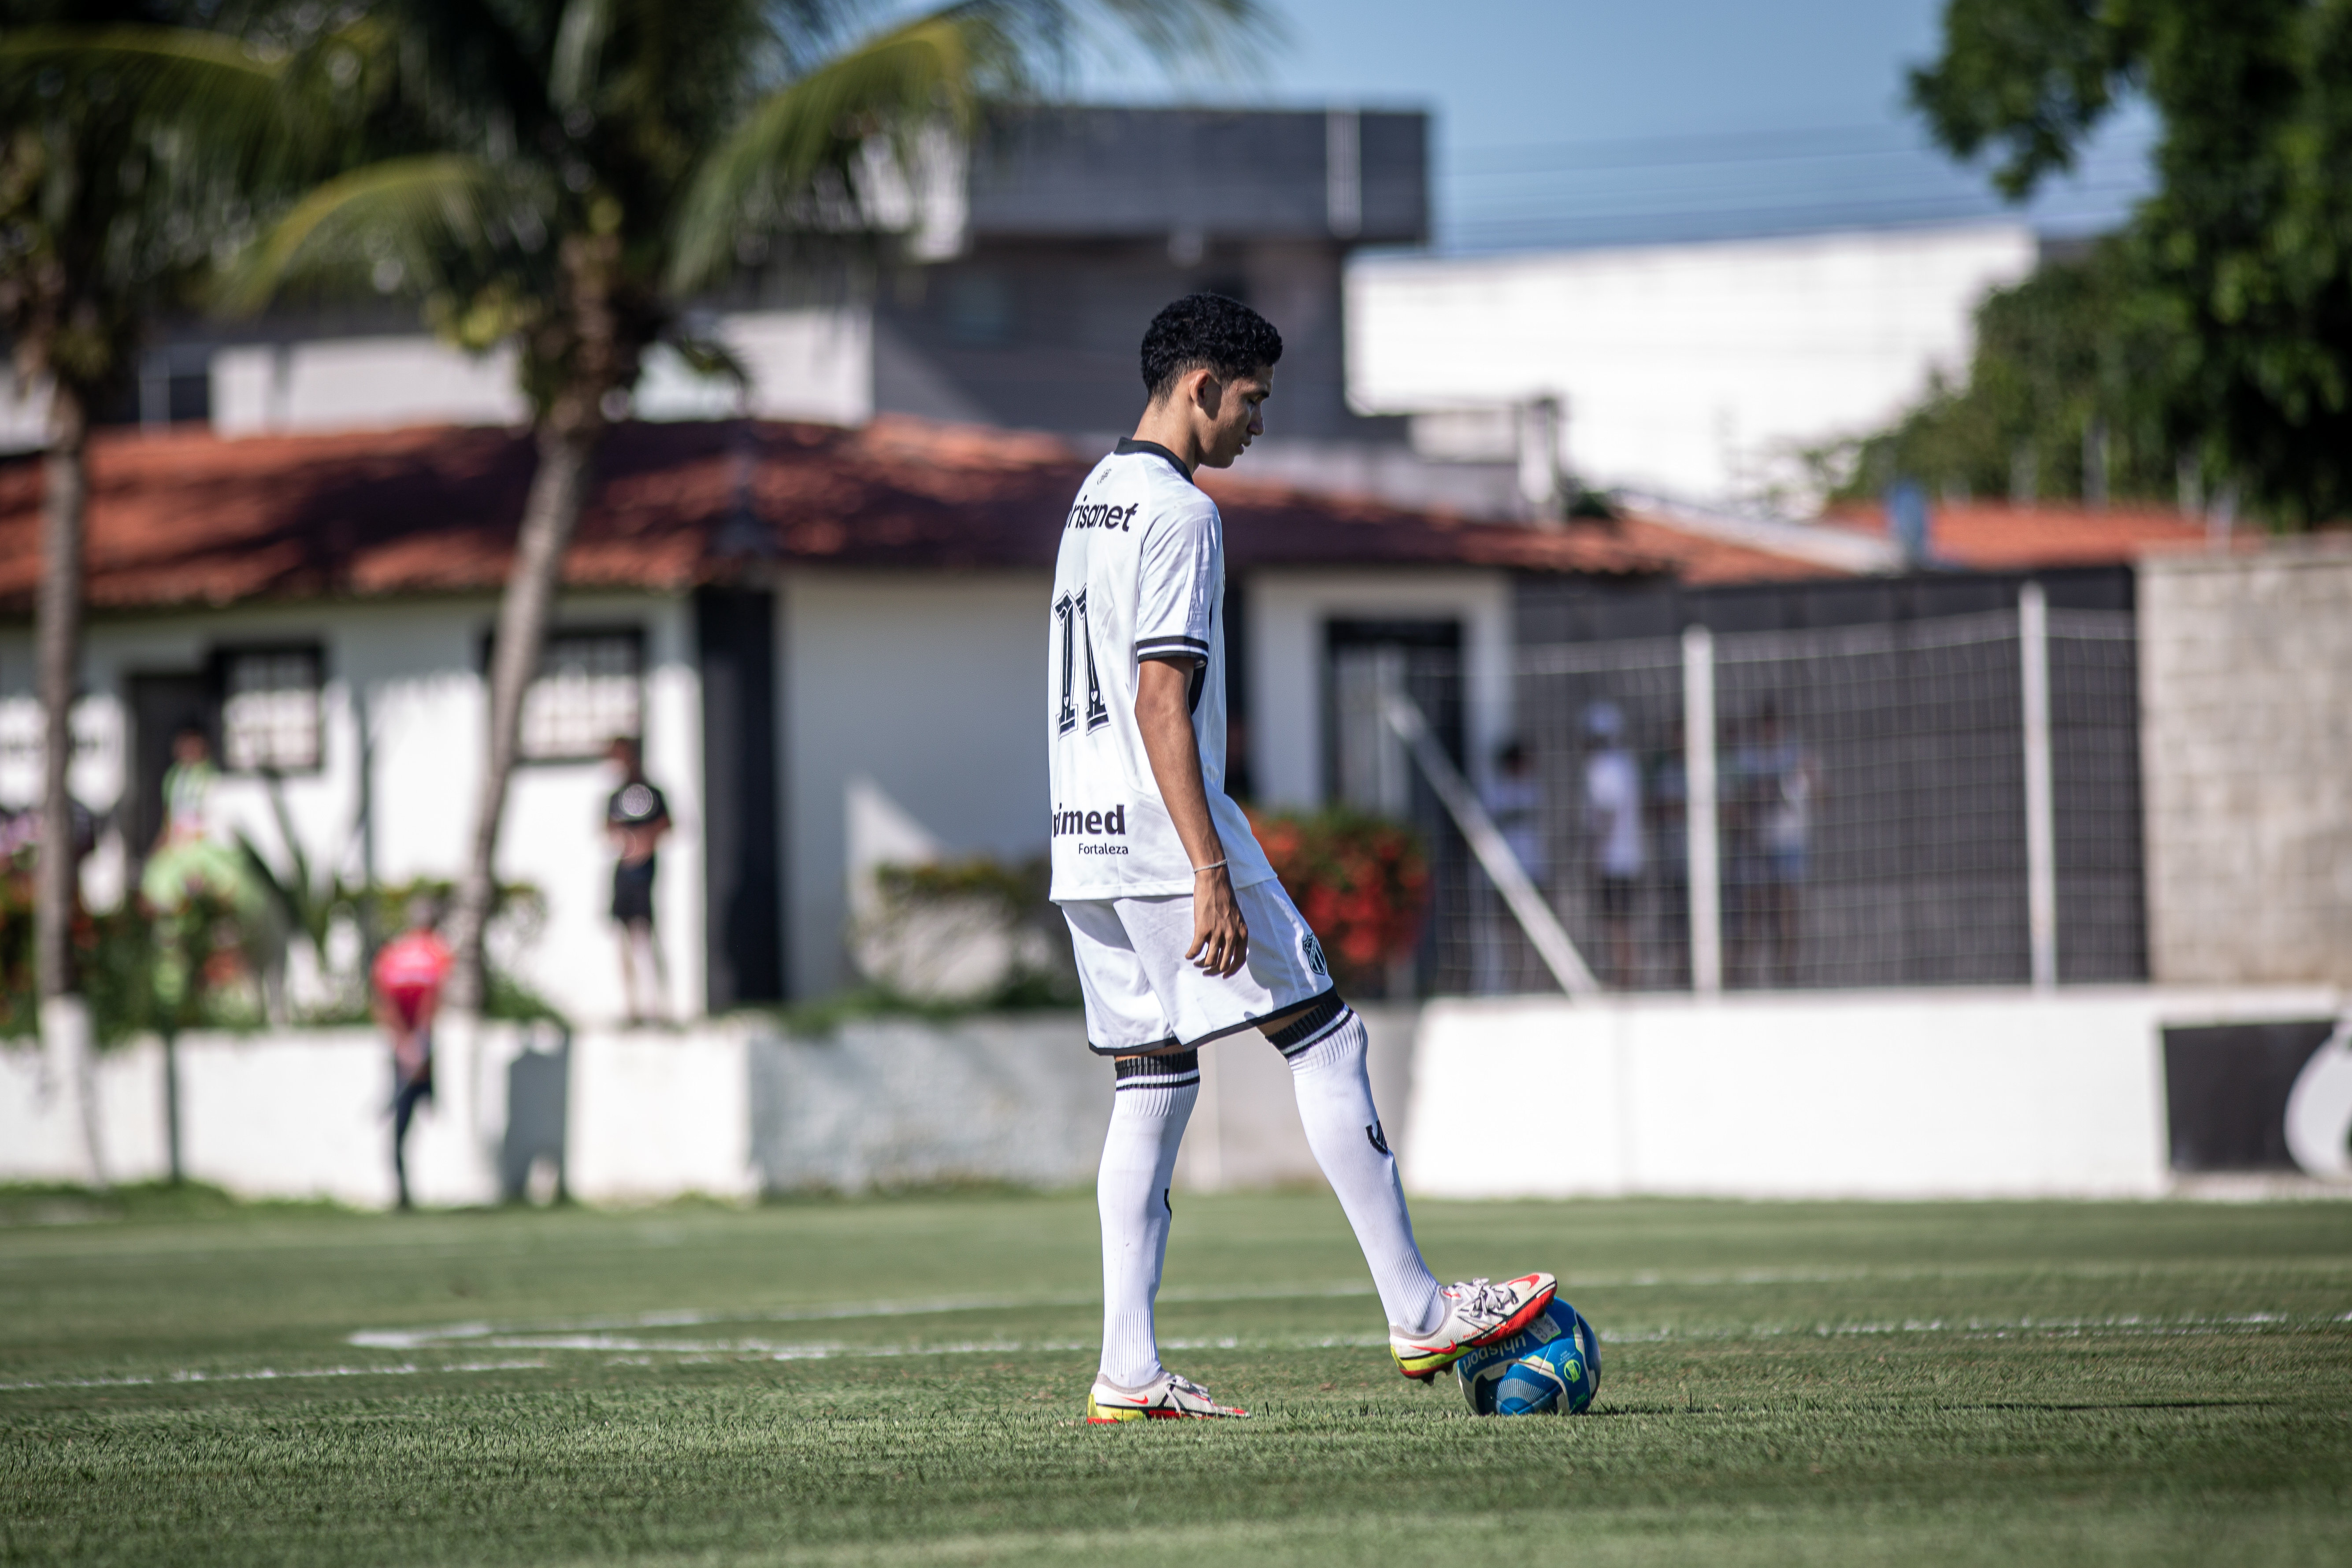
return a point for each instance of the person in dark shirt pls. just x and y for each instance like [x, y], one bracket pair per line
[635, 818]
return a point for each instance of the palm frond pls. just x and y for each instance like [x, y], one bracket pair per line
[1193, 37]
[817, 125]
[206, 85]
[579, 41]
[423, 212]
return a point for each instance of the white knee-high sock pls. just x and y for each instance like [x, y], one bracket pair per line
[1154, 1101]
[1328, 1073]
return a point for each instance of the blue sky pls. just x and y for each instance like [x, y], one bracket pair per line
[1580, 122]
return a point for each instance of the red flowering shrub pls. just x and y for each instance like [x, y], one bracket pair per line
[1361, 881]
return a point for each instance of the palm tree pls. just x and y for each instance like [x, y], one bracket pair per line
[121, 142]
[560, 172]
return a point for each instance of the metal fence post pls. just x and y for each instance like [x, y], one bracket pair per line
[1698, 766]
[2040, 813]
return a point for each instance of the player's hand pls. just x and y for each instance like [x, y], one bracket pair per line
[1220, 935]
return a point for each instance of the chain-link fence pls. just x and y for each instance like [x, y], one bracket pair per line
[1873, 819]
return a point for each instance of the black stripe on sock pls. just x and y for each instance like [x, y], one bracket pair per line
[1172, 1070]
[1308, 1026]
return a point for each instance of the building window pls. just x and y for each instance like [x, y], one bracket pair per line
[269, 709]
[589, 688]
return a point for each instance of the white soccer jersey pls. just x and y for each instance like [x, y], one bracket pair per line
[1140, 575]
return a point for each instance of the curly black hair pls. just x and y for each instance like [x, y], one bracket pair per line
[1206, 331]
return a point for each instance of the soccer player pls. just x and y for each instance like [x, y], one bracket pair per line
[1182, 931]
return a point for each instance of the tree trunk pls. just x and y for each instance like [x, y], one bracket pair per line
[567, 448]
[65, 491]
[596, 362]
[65, 1017]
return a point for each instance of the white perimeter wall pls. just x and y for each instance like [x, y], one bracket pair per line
[1909, 1094]
[1691, 368]
[414, 666]
[1976, 1094]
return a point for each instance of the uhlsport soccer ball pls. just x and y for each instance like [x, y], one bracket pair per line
[1551, 1365]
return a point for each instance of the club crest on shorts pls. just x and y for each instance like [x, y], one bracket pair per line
[1312, 952]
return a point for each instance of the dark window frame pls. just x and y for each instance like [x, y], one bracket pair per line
[632, 632]
[223, 660]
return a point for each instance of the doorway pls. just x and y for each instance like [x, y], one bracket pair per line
[161, 705]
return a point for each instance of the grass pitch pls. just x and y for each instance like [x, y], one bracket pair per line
[901, 1381]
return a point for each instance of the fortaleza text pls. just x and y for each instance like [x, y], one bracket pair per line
[1113, 821]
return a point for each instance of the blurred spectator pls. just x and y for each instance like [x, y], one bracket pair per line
[409, 974]
[1513, 801]
[1612, 819]
[1776, 786]
[184, 856]
[635, 818]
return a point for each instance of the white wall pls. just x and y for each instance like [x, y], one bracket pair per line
[1898, 1094]
[1288, 610]
[932, 686]
[291, 1114]
[814, 365]
[361, 383]
[1690, 369]
[414, 666]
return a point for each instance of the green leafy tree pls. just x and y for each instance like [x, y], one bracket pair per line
[560, 175]
[2067, 374]
[2240, 263]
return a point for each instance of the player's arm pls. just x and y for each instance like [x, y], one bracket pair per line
[1164, 718]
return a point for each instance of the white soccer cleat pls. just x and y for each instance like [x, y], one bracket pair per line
[1477, 1313]
[1167, 1397]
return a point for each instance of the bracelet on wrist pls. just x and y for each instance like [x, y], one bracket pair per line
[1211, 866]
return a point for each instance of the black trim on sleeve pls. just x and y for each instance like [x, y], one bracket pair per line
[1146, 647]
[1128, 446]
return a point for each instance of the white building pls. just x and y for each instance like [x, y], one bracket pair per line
[780, 611]
[1692, 371]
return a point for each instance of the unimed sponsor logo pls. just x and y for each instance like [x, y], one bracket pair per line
[1092, 824]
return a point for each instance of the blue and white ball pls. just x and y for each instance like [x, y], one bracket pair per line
[1551, 1365]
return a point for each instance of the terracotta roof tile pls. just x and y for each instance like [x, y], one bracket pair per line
[1994, 536]
[184, 517]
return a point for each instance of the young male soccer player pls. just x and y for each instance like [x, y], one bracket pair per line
[1183, 934]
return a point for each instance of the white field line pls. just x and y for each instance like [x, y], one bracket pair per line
[689, 1317]
[2122, 1326]
[272, 1374]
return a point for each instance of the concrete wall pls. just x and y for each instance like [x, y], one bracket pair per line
[1898, 1094]
[294, 1114]
[2246, 748]
[1692, 369]
[411, 670]
[1917, 1094]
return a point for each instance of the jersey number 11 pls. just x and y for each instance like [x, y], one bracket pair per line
[1073, 614]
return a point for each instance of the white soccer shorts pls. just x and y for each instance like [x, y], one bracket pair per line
[1141, 994]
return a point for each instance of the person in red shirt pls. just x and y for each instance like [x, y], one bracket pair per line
[409, 974]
